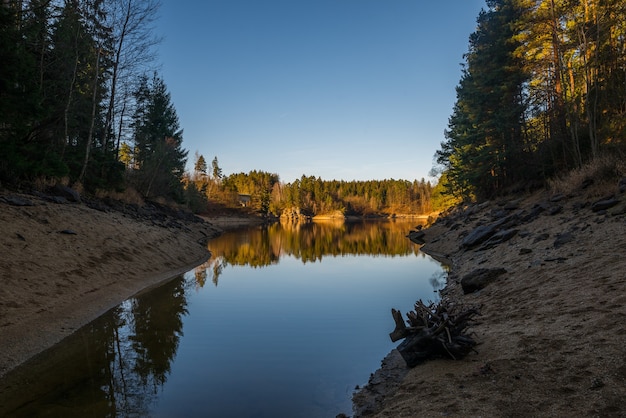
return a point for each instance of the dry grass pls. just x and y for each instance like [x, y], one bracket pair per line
[44, 183]
[603, 172]
[129, 196]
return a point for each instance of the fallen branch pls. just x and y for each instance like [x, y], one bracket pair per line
[436, 330]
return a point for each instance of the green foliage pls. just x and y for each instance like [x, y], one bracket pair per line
[159, 156]
[257, 184]
[538, 96]
[200, 166]
[196, 200]
[55, 86]
[314, 196]
[216, 170]
[483, 150]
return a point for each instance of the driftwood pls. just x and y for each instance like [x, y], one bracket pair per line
[436, 330]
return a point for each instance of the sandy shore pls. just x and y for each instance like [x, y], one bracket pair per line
[552, 334]
[63, 265]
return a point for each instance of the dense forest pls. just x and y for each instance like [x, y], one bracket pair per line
[543, 91]
[309, 195]
[80, 101]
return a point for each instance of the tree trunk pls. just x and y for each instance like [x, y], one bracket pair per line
[94, 106]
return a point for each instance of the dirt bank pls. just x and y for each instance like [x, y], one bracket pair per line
[551, 335]
[63, 264]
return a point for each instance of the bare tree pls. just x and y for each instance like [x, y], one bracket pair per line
[132, 23]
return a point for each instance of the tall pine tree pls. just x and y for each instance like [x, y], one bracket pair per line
[160, 158]
[485, 147]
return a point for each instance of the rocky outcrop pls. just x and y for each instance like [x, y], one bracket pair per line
[294, 214]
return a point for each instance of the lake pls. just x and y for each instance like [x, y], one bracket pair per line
[284, 320]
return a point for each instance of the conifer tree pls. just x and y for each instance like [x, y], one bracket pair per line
[484, 147]
[160, 158]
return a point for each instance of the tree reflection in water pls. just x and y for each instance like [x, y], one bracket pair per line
[309, 242]
[114, 366]
[119, 364]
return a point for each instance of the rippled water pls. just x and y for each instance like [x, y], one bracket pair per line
[282, 321]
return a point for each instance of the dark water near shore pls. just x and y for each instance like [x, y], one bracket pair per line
[282, 321]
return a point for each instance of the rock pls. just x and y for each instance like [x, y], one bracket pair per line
[557, 198]
[534, 213]
[16, 201]
[604, 204]
[417, 237]
[498, 238]
[68, 232]
[482, 233]
[619, 209]
[513, 205]
[555, 210]
[562, 239]
[58, 199]
[478, 235]
[499, 213]
[556, 259]
[524, 251]
[480, 278]
[541, 237]
[622, 185]
[66, 192]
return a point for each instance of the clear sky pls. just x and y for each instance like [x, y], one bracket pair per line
[337, 89]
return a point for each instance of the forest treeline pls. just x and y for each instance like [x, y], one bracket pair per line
[543, 91]
[309, 195]
[80, 102]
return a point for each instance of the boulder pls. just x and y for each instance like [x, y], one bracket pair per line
[16, 201]
[604, 204]
[619, 209]
[479, 278]
[482, 233]
[66, 192]
[417, 237]
[534, 213]
[498, 238]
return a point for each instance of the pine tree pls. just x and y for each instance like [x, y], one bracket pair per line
[160, 158]
[484, 147]
[200, 166]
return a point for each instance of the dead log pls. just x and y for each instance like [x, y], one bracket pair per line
[436, 330]
[400, 332]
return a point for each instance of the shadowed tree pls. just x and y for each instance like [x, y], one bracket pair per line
[160, 157]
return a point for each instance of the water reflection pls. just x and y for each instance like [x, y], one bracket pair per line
[319, 329]
[309, 242]
[115, 366]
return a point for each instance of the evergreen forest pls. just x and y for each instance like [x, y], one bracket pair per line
[542, 92]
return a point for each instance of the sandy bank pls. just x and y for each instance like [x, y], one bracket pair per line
[63, 265]
[551, 335]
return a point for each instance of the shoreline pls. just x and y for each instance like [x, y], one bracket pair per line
[66, 264]
[550, 334]
[552, 325]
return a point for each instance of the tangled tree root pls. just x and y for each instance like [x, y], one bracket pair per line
[436, 330]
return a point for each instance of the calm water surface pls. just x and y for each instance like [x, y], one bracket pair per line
[282, 321]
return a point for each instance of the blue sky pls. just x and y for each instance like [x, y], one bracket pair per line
[337, 89]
